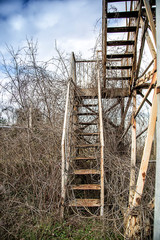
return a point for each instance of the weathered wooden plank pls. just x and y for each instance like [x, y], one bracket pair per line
[118, 78]
[150, 18]
[125, 55]
[87, 145]
[86, 187]
[85, 203]
[146, 153]
[115, 92]
[145, 78]
[133, 152]
[120, 43]
[86, 114]
[129, 14]
[101, 140]
[104, 39]
[121, 29]
[86, 171]
[63, 168]
[84, 158]
[106, 92]
[87, 123]
[118, 67]
[147, 93]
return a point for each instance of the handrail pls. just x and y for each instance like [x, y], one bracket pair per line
[65, 143]
[63, 149]
[101, 138]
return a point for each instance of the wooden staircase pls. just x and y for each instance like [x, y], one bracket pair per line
[119, 52]
[83, 151]
[82, 140]
[85, 184]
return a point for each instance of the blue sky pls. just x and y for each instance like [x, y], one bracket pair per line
[72, 23]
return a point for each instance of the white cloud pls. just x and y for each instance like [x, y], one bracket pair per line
[70, 22]
[17, 22]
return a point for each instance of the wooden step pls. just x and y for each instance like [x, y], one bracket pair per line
[85, 203]
[120, 43]
[118, 78]
[88, 105]
[87, 123]
[85, 158]
[129, 14]
[86, 171]
[87, 145]
[86, 187]
[85, 114]
[118, 67]
[120, 29]
[88, 134]
[126, 55]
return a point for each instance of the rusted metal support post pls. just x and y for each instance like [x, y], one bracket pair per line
[157, 186]
[133, 152]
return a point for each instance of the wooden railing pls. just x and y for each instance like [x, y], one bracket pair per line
[101, 136]
[66, 135]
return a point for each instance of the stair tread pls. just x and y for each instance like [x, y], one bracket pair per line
[124, 14]
[86, 171]
[126, 55]
[87, 123]
[87, 145]
[85, 203]
[119, 67]
[120, 43]
[86, 187]
[85, 158]
[121, 29]
[84, 114]
[118, 78]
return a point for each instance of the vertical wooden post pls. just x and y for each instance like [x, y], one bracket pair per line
[157, 183]
[63, 150]
[101, 138]
[104, 39]
[146, 153]
[131, 227]
[133, 152]
[73, 68]
[150, 18]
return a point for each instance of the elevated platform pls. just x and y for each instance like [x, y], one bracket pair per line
[106, 92]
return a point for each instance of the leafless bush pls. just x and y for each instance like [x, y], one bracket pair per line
[30, 156]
